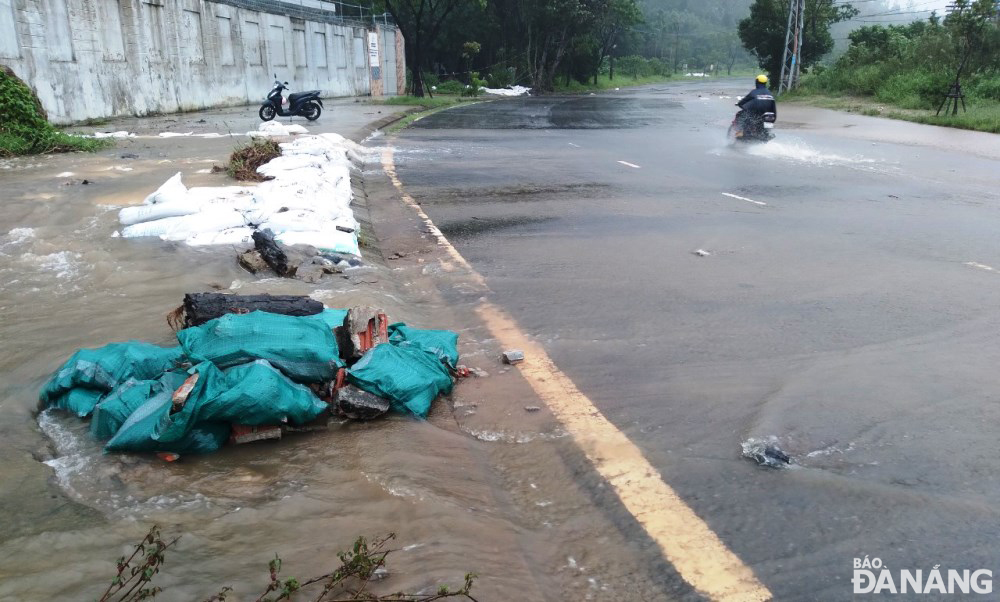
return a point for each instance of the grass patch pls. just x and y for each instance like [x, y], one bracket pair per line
[982, 115]
[245, 160]
[25, 130]
[439, 100]
[405, 122]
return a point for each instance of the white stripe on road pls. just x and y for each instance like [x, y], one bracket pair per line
[981, 266]
[743, 198]
[627, 164]
[574, 145]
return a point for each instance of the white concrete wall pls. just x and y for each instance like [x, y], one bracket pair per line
[88, 59]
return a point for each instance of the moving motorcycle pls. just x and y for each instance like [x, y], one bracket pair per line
[750, 127]
[302, 104]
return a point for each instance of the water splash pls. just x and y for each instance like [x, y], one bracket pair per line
[800, 152]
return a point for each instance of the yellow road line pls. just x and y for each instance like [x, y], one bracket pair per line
[686, 541]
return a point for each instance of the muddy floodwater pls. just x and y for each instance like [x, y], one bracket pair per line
[483, 490]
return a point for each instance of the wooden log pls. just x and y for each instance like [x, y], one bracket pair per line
[272, 253]
[202, 307]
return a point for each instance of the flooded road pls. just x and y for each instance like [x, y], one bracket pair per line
[844, 304]
[482, 486]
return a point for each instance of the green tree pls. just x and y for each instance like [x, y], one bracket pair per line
[612, 17]
[763, 32]
[421, 22]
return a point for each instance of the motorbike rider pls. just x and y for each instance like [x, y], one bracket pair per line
[757, 102]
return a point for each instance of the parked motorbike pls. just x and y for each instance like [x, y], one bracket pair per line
[747, 127]
[301, 104]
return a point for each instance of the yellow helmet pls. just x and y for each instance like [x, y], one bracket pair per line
[762, 79]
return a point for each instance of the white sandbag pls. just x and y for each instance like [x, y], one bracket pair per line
[273, 128]
[214, 193]
[262, 210]
[119, 134]
[180, 228]
[285, 163]
[146, 213]
[330, 240]
[171, 190]
[307, 221]
[230, 236]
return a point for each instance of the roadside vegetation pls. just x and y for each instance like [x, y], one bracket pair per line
[564, 45]
[359, 567]
[901, 71]
[909, 68]
[24, 129]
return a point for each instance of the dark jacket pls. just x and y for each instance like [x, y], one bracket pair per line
[759, 101]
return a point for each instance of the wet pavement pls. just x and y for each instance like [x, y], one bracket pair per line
[846, 304]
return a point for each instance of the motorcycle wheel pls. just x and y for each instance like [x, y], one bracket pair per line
[266, 113]
[312, 111]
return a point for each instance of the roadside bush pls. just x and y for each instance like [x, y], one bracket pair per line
[500, 78]
[431, 79]
[634, 65]
[452, 86]
[24, 128]
[659, 67]
[475, 87]
[987, 88]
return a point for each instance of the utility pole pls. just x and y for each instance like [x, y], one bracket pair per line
[791, 62]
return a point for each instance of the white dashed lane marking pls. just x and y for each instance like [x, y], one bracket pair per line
[743, 198]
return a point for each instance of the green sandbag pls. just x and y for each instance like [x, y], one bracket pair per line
[442, 343]
[301, 347]
[78, 401]
[332, 318]
[114, 410]
[253, 394]
[407, 376]
[101, 370]
[136, 435]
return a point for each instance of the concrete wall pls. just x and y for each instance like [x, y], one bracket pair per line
[99, 58]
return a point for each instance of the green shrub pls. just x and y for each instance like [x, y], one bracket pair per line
[986, 88]
[452, 86]
[500, 78]
[431, 79]
[24, 128]
[634, 65]
[475, 88]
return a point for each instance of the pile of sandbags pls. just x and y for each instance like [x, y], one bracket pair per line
[247, 376]
[307, 201]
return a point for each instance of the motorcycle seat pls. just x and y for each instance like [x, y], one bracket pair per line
[300, 95]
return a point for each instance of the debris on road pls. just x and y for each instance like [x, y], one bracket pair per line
[532, 408]
[240, 374]
[701, 253]
[765, 452]
[357, 404]
[199, 308]
[513, 356]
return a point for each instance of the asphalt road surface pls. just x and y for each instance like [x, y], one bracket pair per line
[837, 290]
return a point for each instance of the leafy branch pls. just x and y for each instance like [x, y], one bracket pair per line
[359, 566]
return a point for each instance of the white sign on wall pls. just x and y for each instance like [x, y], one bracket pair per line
[373, 59]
